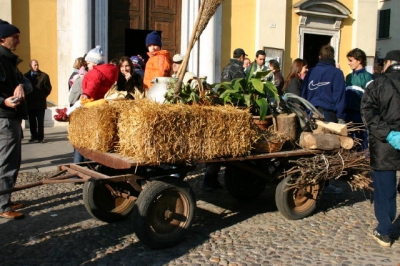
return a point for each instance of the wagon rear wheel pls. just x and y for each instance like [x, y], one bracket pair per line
[163, 212]
[296, 203]
[242, 184]
[105, 206]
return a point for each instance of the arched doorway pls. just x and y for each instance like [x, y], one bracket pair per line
[319, 25]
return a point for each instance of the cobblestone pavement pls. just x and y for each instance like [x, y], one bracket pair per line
[57, 230]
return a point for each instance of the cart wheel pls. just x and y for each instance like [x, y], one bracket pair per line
[243, 185]
[104, 206]
[296, 203]
[163, 212]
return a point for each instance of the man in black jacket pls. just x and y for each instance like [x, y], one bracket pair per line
[234, 69]
[36, 100]
[12, 112]
[380, 112]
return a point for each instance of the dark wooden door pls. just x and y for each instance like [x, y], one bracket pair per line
[126, 16]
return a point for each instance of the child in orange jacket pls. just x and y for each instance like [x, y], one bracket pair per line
[160, 61]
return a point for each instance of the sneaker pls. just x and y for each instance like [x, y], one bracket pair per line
[332, 190]
[384, 241]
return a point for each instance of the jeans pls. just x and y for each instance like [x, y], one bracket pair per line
[78, 158]
[385, 200]
[10, 157]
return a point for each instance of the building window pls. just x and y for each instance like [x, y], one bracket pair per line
[384, 23]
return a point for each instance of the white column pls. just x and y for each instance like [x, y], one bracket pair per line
[210, 54]
[74, 39]
[101, 26]
[81, 25]
[190, 10]
[205, 57]
[6, 10]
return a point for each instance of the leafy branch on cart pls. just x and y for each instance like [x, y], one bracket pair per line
[346, 164]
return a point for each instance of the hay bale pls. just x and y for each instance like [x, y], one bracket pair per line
[94, 128]
[160, 133]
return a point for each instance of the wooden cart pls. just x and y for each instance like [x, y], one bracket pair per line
[162, 203]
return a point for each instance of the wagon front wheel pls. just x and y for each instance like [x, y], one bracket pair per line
[102, 204]
[163, 212]
[296, 203]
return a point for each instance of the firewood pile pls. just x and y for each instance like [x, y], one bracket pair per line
[347, 164]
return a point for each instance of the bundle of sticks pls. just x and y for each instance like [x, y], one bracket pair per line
[347, 164]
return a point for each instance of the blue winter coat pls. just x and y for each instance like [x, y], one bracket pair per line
[324, 87]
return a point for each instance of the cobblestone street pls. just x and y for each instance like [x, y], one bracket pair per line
[59, 231]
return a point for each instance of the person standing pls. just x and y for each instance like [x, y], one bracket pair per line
[356, 83]
[324, 87]
[12, 112]
[160, 61]
[79, 63]
[177, 62]
[36, 100]
[234, 69]
[294, 80]
[246, 64]
[258, 65]
[380, 113]
[276, 75]
[96, 82]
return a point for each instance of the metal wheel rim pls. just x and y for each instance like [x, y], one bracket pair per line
[303, 199]
[171, 203]
[109, 203]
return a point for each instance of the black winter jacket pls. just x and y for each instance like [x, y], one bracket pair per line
[380, 112]
[41, 84]
[10, 78]
[233, 70]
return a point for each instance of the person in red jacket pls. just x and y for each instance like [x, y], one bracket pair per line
[96, 82]
[160, 61]
[100, 76]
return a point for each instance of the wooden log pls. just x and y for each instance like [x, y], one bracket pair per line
[287, 124]
[330, 127]
[325, 142]
[346, 142]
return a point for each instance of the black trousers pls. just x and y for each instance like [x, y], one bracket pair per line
[36, 123]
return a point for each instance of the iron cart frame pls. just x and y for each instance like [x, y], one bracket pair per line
[162, 203]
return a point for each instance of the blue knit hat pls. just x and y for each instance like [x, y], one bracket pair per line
[95, 55]
[153, 38]
[136, 61]
[7, 30]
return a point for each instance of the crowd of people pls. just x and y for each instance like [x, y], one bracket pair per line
[360, 97]
[369, 100]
